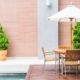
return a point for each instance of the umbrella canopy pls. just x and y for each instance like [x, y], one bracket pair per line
[69, 12]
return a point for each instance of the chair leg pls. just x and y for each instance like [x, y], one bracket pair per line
[44, 65]
[65, 70]
[55, 66]
[76, 70]
[62, 69]
[69, 68]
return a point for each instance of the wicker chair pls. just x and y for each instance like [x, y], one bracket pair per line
[72, 58]
[49, 56]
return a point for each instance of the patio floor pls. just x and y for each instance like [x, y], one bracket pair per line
[36, 73]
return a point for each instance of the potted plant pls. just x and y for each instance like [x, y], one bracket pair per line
[76, 36]
[3, 44]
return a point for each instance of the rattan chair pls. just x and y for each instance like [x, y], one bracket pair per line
[72, 58]
[49, 56]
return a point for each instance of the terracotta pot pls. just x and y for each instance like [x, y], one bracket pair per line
[3, 55]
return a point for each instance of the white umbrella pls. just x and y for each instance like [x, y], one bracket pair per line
[70, 13]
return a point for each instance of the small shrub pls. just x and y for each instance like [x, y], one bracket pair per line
[3, 39]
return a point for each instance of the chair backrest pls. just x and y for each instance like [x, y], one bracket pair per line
[43, 51]
[72, 55]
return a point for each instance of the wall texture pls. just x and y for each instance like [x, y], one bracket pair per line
[64, 28]
[47, 30]
[18, 18]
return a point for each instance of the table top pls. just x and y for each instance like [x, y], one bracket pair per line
[63, 51]
[60, 51]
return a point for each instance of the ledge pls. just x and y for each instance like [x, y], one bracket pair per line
[18, 64]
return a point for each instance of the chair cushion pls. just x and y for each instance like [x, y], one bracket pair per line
[71, 62]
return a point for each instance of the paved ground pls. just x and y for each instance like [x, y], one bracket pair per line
[50, 73]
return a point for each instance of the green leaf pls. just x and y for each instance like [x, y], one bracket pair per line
[76, 36]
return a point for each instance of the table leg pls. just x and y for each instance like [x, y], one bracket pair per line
[59, 62]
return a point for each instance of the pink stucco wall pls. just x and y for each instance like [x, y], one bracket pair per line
[18, 18]
[64, 28]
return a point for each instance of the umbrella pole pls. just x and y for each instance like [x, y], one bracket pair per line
[71, 32]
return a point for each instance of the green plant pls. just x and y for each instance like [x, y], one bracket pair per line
[76, 36]
[3, 39]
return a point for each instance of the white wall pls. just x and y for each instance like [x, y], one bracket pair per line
[47, 30]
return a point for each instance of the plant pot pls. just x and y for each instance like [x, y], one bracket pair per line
[3, 55]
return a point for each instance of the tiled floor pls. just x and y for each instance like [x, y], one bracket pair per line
[50, 73]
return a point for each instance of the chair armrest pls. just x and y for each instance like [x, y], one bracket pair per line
[50, 53]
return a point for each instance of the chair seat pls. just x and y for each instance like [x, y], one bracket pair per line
[71, 63]
[51, 59]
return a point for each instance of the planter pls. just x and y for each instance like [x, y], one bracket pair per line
[3, 55]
